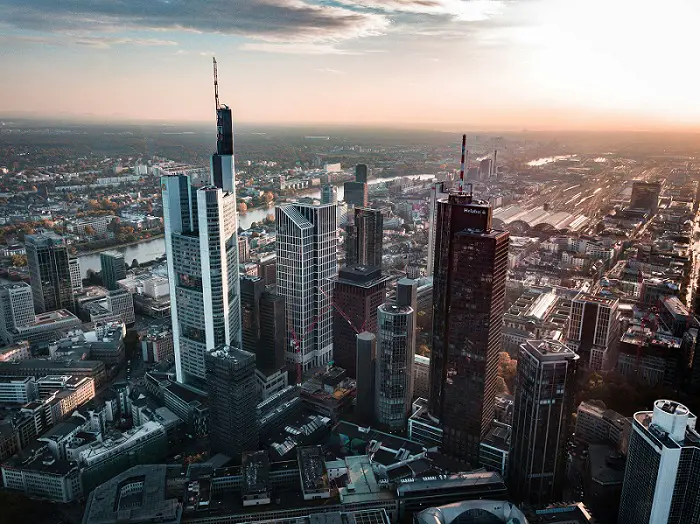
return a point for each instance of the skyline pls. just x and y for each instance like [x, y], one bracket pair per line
[441, 64]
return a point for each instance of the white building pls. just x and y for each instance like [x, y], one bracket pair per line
[16, 308]
[202, 251]
[307, 257]
[17, 390]
[421, 376]
[662, 484]
[76, 277]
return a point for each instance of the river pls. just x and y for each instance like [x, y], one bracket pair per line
[152, 249]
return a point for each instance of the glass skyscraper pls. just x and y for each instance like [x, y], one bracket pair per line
[468, 299]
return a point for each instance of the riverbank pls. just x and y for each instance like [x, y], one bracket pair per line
[119, 246]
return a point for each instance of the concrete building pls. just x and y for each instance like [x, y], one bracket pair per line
[595, 425]
[49, 272]
[113, 268]
[593, 329]
[329, 194]
[396, 348]
[438, 191]
[468, 306]
[421, 377]
[45, 328]
[544, 400]
[17, 390]
[157, 345]
[661, 483]
[16, 308]
[645, 195]
[202, 251]
[76, 276]
[357, 293]
[307, 241]
[356, 192]
[366, 370]
[231, 385]
[364, 244]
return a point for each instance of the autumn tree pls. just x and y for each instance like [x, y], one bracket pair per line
[507, 369]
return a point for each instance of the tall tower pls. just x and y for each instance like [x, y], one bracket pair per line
[396, 349]
[202, 252]
[593, 328]
[368, 238]
[113, 268]
[662, 484]
[307, 243]
[49, 272]
[356, 192]
[329, 194]
[437, 191]
[544, 401]
[357, 293]
[230, 383]
[471, 262]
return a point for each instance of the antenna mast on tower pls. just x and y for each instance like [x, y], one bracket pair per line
[216, 85]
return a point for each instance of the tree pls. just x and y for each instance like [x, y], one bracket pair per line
[501, 386]
[242, 207]
[89, 230]
[507, 369]
[134, 264]
[423, 350]
[19, 260]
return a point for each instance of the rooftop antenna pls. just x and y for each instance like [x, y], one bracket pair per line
[216, 85]
[461, 169]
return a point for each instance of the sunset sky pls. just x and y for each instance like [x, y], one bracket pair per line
[491, 64]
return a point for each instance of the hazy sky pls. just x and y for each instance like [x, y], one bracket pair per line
[448, 64]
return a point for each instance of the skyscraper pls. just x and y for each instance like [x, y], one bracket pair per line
[113, 268]
[202, 253]
[357, 293]
[662, 477]
[544, 402]
[233, 398]
[594, 328]
[438, 190]
[366, 369]
[645, 195]
[263, 330]
[468, 300]
[396, 349]
[356, 192]
[329, 194]
[49, 272]
[16, 308]
[365, 240]
[307, 243]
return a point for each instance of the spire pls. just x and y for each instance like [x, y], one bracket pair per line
[216, 85]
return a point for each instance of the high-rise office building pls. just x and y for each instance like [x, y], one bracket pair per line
[329, 194]
[202, 253]
[233, 398]
[485, 168]
[366, 368]
[113, 268]
[645, 195]
[76, 277]
[438, 190]
[662, 477]
[396, 349]
[471, 262]
[262, 333]
[364, 244]
[544, 402]
[594, 328]
[357, 293]
[307, 243]
[49, 272]
[356, 192]
[16, 308]
[243, 250]
[267, 268]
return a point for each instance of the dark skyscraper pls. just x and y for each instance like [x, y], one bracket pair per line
[544, 401]
[365, 239]
[366, 363]
[357, 293]
[233, 398]
[49, 272]
[356, 193]
[645, 195]
[468, 299]
[113, 268]
[262, 333]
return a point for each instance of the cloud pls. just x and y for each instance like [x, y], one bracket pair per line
[276, 21]
[461, 10]
[295, 48]
[331, 71]
[99, 42]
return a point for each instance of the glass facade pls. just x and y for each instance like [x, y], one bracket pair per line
[468, 303]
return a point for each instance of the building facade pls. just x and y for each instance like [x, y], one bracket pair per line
[593, 328]
[662, 477]
[396, 349]
[113, 268]
[471, 262]
[233, 422]
[49, 272]
[544, 401]
[365, 239]
[307, 243]
[202, 251]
